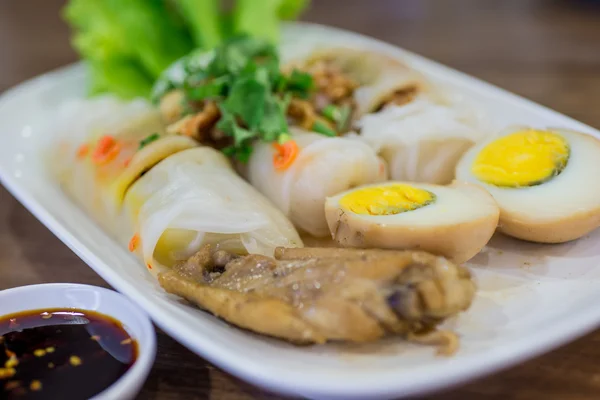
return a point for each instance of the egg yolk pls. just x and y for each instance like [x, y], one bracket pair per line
[386, 200]
[521, 159]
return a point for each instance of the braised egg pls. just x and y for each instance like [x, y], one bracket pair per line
[544, 181]
[455, 221]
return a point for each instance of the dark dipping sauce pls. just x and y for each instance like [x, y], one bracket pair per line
[62, 354]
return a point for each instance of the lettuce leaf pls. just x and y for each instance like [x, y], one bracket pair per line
[261, 18]
[203, 19]
[122, 77]
[128, 43]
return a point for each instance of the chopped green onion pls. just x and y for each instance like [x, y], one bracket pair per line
[284, 137]
[322, 128]
[332, 112]
[146, 141]
[342, 122]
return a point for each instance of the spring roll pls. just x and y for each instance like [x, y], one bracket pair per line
[323, 167]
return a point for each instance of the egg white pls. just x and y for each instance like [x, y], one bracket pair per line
[563, 208]
[457, 225]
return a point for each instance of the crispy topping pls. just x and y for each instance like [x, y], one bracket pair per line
[171, 106]
[303, 112]
[198, 126]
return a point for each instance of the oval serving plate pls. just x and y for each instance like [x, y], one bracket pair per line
[531, 298]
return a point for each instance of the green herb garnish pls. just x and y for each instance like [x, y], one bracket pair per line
[149, 139]
[245, 81]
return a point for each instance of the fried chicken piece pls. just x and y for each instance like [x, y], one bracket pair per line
[326, 294]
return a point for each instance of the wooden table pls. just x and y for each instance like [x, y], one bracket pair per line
[545, 50]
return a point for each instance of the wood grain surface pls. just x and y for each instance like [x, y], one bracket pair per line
[548, 51]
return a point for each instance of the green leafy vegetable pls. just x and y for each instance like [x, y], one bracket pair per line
[125, 40]
[261, 18]
[127, 44]
[123, 77]
[203, 19]
[291, 9]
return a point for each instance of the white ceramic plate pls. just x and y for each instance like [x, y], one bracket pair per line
[532, 297]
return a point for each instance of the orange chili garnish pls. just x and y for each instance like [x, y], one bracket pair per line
[106, 150]
[127, 162]
[149, 266]
[83, 151]
[285, 154]
[134, 242]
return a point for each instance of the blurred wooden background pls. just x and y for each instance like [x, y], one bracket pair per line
[545, 50]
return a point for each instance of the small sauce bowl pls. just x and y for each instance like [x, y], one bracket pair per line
[100, 300]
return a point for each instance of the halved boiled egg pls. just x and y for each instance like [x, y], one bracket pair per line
[544, 181]
[455, 221]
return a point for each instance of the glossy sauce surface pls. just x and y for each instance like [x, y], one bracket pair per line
[61, 353]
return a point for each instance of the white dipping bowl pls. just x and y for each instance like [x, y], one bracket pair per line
[103, 301]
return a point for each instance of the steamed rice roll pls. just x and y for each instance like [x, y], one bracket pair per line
[103, 145]
[324, 166]
[423, 140]
[370, 79]
[195, 197]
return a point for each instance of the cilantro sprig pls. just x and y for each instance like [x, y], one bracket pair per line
[244, 79]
